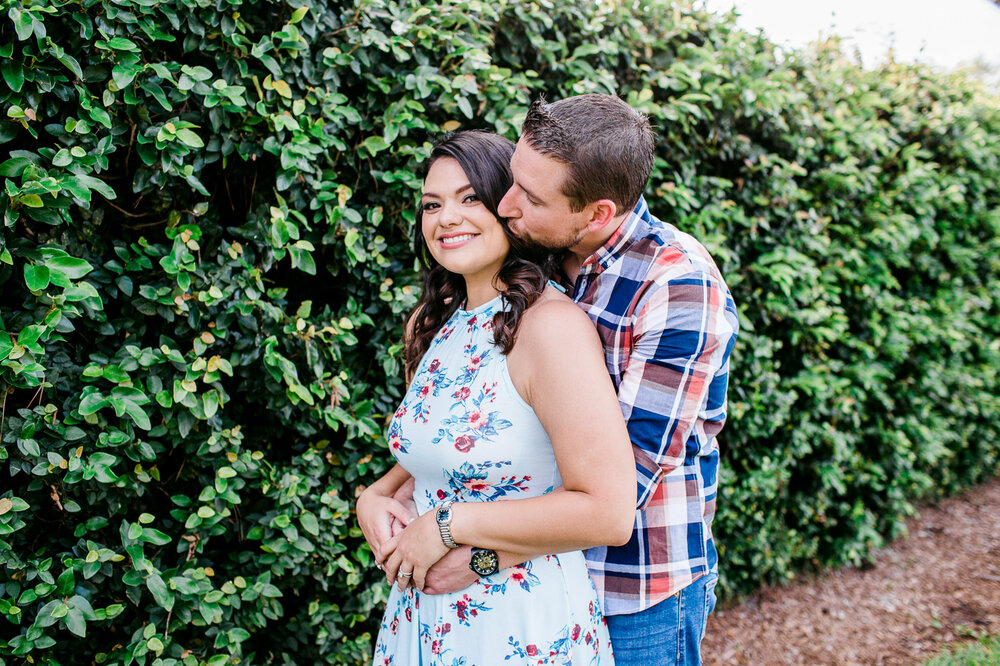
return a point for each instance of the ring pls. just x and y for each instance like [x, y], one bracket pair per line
[404, 574]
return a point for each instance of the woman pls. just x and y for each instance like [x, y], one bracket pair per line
[508, 400]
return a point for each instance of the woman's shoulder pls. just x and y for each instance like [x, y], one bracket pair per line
[554, 317]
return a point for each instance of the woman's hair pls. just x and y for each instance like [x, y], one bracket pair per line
[485, 159]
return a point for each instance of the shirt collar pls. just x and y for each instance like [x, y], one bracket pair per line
[632, 228]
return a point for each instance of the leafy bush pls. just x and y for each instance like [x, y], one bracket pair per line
[206, 257]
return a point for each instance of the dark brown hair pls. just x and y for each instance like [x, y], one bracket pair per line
[607, 144]
[485, 159]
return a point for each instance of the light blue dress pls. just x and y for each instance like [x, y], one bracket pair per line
[464, 433]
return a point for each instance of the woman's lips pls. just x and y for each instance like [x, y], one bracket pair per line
[452, 242]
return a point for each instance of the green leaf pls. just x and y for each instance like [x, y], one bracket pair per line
[303, 260]
[309, 523]
[36, 276]
[62, 158]
[24, 24]
[298, 14]
[155, 537]
[138, 414]
[98, 186]
[190, 138]
[122, 44]
[100, 116]
[282, 88]
[374, 144]
[71, 267]
[80, 291]
[32, 200]
[76, 623]
[13, 75]
[14, 167]
[71, 63]
[91, 403]
[66, 582]
[163, 596]
[123, 74]
[210, 401]
[6, 344]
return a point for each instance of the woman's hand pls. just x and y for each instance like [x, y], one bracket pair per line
[412, 552]
[380, 518]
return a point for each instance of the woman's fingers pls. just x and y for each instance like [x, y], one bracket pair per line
[420, 577]
[404, 577]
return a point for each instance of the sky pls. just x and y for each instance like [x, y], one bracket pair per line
[946, 34]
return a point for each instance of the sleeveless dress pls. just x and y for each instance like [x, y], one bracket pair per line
[464, 433]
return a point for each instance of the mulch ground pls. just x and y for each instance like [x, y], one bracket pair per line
[937, 586]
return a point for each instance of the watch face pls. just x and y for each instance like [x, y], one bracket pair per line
[484, 562]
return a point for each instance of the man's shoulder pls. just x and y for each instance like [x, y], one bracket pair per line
[659, 251]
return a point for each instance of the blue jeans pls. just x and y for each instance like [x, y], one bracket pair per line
[668, 633]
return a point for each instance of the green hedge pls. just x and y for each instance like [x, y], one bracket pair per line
[206, 257]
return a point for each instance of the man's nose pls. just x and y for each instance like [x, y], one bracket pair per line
[506, 206]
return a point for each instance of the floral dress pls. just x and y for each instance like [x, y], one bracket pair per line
[465, 434]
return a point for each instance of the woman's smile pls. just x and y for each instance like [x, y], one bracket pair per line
[451, 242]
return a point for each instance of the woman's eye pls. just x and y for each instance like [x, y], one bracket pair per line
[471, 198]
[430, 205]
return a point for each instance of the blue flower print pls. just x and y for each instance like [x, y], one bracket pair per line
[472, 483]
[519, 575]
[472, 423]
[397, 443]
[428, 383]
[475, 360]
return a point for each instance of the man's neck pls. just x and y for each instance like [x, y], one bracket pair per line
[591, 243]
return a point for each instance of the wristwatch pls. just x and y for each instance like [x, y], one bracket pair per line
[484, 561]
[443, 516]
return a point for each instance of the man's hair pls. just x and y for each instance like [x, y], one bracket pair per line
[607, 145]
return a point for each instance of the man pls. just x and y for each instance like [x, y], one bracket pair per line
[668, 324]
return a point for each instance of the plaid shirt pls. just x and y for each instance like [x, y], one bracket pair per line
[668, 324]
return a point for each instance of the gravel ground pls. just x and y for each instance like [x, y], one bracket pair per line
[939, 585]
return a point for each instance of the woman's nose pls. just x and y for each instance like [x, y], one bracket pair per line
[451, 214]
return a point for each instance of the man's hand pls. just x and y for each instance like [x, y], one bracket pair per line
[377, 515]
[451, 573]
[405, 497]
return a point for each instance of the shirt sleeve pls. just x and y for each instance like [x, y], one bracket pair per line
[677, 364]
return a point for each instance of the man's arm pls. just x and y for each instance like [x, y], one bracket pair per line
[682, 337]
[452, 573]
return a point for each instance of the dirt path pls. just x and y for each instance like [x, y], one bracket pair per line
[938, 585]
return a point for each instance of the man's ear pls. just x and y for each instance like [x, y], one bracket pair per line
[602, 213]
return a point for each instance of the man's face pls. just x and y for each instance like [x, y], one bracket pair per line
[535, 206]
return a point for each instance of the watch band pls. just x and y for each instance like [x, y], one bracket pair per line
[443, 517]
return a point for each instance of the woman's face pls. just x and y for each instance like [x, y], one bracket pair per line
[463, 236]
